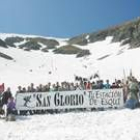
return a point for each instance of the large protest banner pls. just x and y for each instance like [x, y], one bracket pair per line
[104, 98]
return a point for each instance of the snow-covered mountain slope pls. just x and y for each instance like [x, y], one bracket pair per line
[31, 59]
[109, 59]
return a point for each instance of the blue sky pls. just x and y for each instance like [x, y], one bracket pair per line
[64, 18]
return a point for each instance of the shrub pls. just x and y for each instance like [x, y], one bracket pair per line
[32, 45]
[3, 44]
[103, 57]
[50, 43]
[128, 32]
[68, 49]
[126, 41]
[5, 56]
[79, 40]
[11, 40]
[83, 53]
[44, 50]
[98, 36]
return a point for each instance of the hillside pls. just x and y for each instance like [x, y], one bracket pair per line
[26, 58]
[126, 33]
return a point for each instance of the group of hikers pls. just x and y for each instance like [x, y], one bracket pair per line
[67, 86]
[131, 90]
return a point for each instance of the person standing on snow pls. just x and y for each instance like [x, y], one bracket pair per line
[107, 85]
[11, 106]
[6, 95]
[133, 90]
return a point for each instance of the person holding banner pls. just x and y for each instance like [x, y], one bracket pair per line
[6, 95]
[107, 85]
[88, 86]
[133, 90]
[4, 100]
[11, 106]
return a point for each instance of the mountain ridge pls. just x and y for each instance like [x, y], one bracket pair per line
[126, 33]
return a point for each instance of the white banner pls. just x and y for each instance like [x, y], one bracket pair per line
[104, 98]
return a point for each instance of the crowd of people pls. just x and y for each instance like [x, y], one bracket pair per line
[131, 88]
[66, 86]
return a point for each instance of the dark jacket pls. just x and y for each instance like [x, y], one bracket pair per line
[6, 96]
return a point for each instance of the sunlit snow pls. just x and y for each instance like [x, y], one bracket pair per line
[35, 67]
